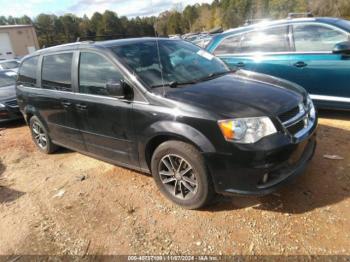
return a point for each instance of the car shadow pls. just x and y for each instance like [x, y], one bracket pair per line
[334, 114]
[7, 195]
[325, 182]
[13, 124]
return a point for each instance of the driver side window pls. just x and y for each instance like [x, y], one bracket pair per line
[94, 73]
[316, 38]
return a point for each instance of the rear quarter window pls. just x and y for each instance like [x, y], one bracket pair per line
[229, 45]
[27, 72]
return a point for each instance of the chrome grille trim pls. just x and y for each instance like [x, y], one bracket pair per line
[307, 115]
[11, 103]
[302, 113]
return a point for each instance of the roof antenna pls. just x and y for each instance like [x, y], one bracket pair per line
[158, 50]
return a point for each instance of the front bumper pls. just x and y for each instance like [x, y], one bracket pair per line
[9, 114]
[260, 179]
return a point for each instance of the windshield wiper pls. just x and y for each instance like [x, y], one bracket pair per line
[214, 75]
[174, 84]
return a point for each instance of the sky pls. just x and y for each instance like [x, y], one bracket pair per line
[130, 8]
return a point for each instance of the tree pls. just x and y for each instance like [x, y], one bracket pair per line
[190, 14]
[53, 30]
[45, 28]
[70, 25]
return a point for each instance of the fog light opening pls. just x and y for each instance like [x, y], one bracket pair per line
[264, 179]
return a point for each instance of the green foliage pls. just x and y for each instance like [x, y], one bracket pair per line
[53, 30]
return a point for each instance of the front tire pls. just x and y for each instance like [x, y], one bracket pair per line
[41, 137]
[181, 175]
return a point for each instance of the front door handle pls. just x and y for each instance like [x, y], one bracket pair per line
[240, 64]
[81, 106]
[300, 64]
[66, 104]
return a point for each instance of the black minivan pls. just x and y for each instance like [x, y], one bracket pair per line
[169, 108]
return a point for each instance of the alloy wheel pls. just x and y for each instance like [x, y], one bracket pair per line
[39, 135]
[178, 176]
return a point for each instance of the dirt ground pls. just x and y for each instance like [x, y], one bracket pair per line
[68, 203]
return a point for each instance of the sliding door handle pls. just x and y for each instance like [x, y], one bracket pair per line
[81, 106]
[66, 104]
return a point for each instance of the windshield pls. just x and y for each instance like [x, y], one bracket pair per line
[7, 79]
[10, 65]
[180, 62]
[344, 24]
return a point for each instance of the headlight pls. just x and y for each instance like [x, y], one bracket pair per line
[311, 107]
[309, 103]
[2, 105]
[247, 130]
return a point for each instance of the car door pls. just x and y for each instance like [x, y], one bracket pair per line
[323, 74]
[264, 50]
[106, 122]
[54, 101]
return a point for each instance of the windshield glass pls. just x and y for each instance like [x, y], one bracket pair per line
[180, 62]
[7, 79]
[344, 23]
[10, 65]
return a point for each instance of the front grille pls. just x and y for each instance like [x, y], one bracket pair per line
[297, 119]
[289, 114]
[297, 127]
[12, 103]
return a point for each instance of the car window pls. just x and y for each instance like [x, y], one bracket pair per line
[27, 72]
[229, 45]
[267, 40]
[10, 65]
[316, 38]
[94, 73]
[7, 79]
[56, 72]
[169, 61]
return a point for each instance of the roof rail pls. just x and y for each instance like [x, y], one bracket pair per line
[254, 21]
[296, 15]
[107, 37]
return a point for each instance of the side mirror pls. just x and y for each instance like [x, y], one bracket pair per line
[342, 48]
[116, 89]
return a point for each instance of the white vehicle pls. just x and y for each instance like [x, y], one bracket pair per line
[9, 65]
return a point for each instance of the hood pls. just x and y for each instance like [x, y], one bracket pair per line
[7, 93]
[242, 94]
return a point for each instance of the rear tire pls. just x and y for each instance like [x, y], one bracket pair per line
[181, 175]
[41, 137]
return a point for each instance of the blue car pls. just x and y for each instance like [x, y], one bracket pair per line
[312, 52]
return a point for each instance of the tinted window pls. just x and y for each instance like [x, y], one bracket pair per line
[268, 40]
[94, 72]
[56, 72]
[27, 72]
[229, 45]
[313, 38]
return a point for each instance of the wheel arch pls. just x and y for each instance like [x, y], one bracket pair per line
[165, 131]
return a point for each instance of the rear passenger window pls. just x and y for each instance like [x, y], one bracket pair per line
[229, 45]
[268, 40]
[56, 72]
[27, 72]
[94, 73]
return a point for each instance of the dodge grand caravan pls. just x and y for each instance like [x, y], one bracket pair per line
[169, 108]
